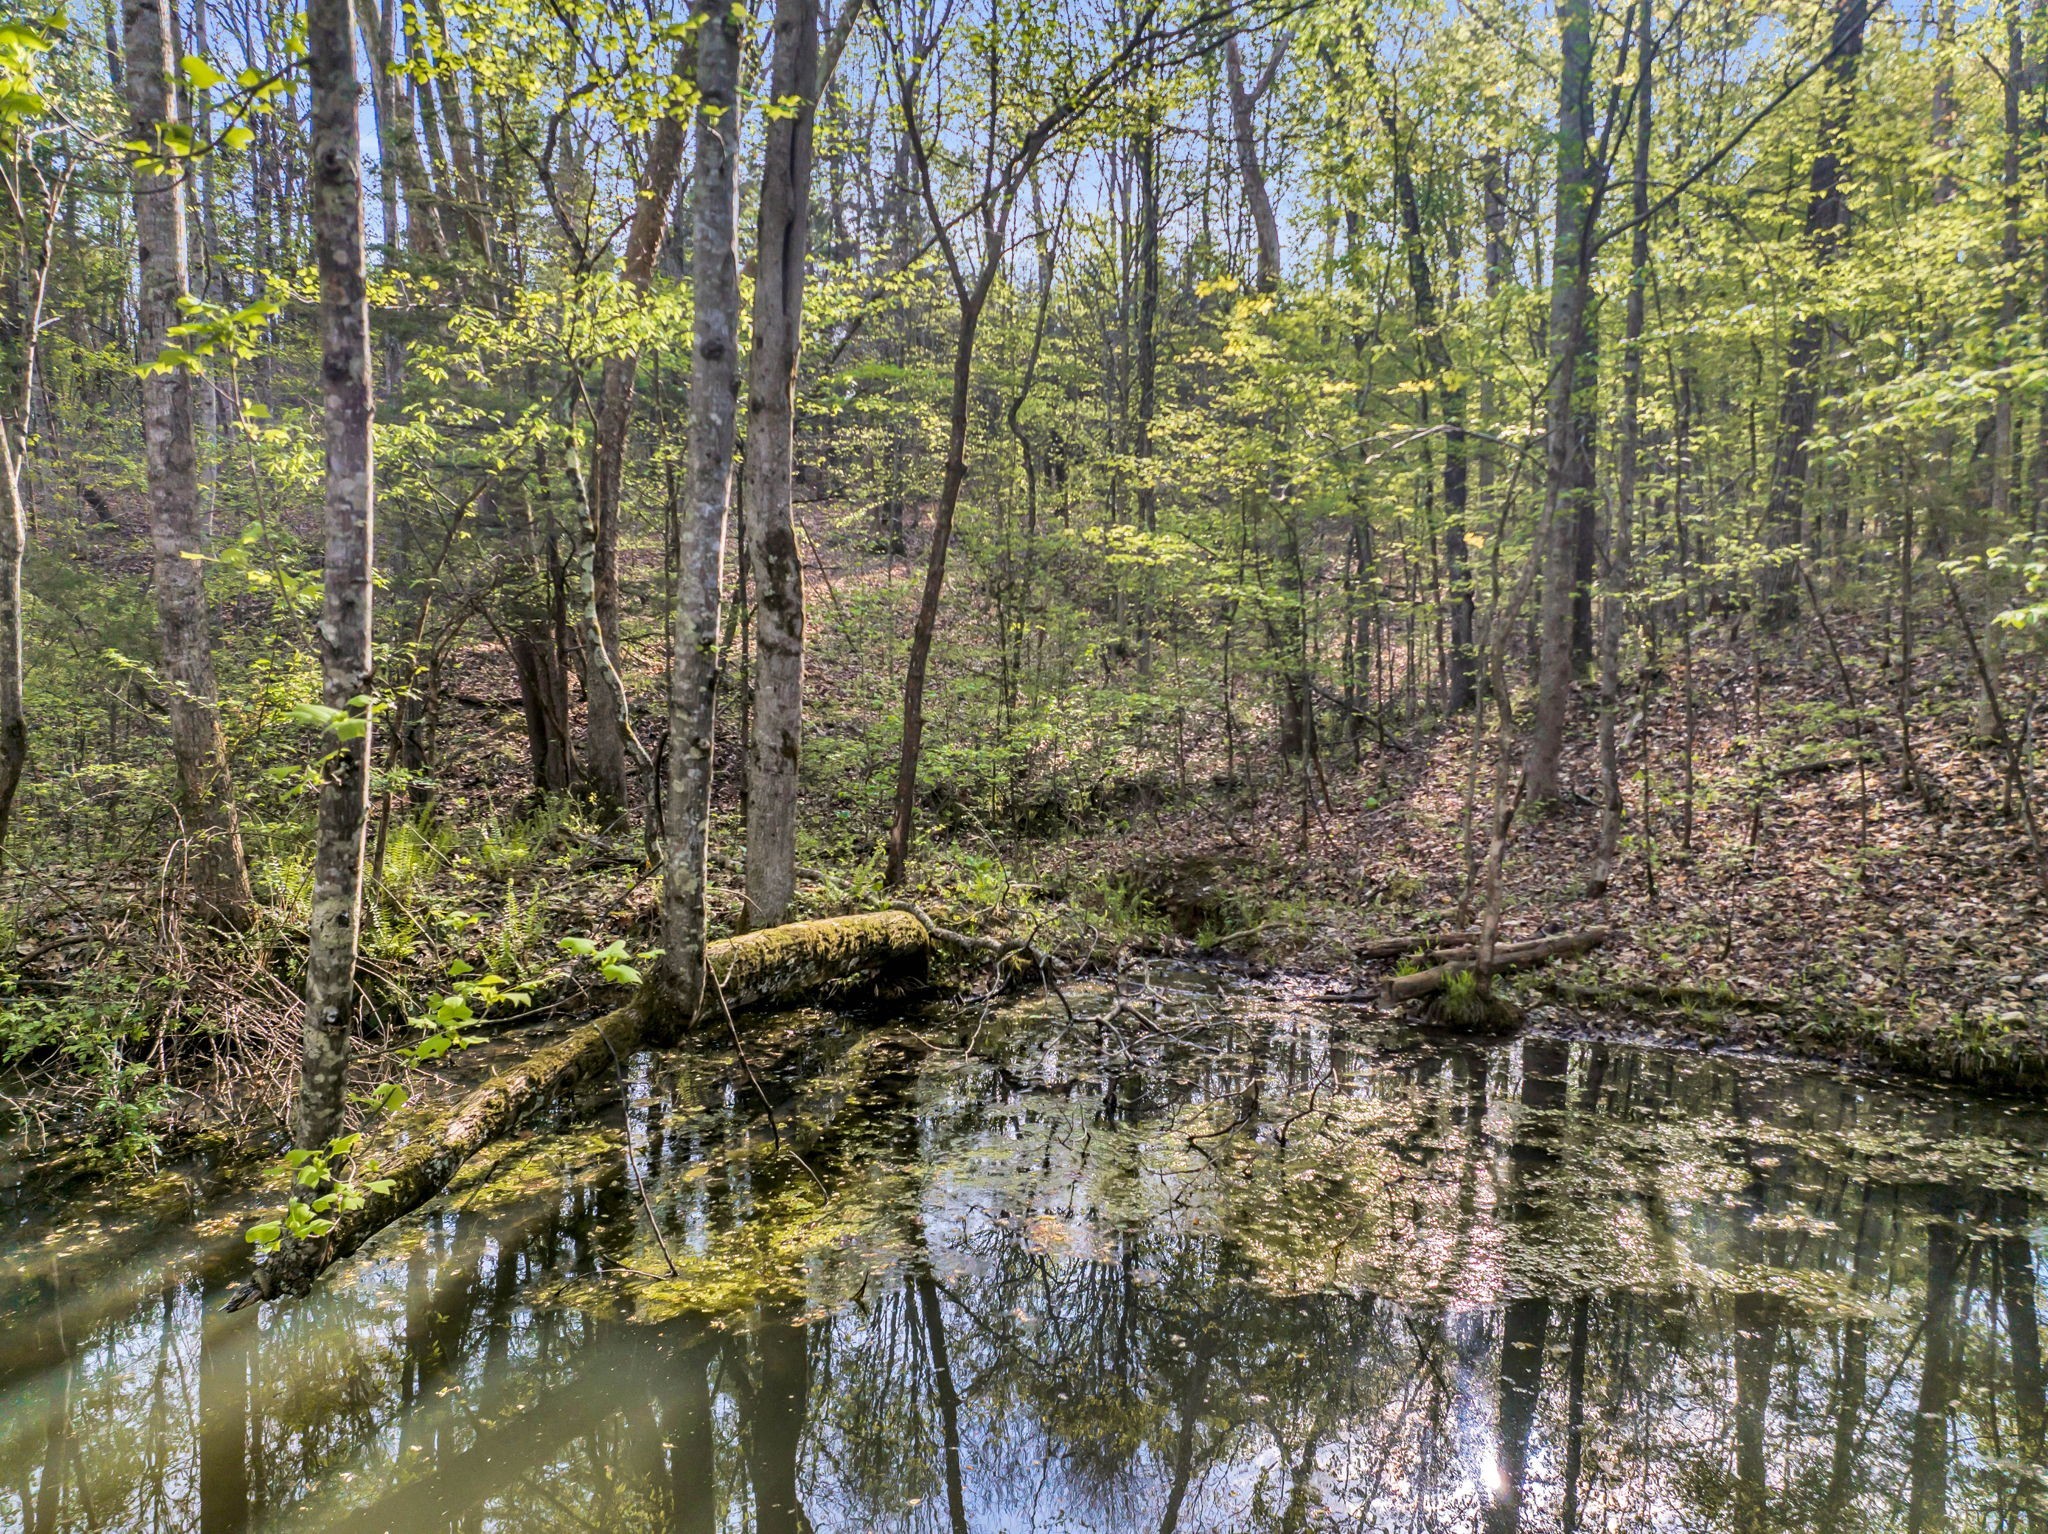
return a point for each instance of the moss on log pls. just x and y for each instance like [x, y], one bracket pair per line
[775, 965]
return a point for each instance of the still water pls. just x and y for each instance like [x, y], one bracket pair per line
[1231, 1263]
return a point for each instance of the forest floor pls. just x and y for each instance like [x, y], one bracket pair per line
[1806, 902]
[1809, 903]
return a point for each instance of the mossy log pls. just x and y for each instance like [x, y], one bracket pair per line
[1506, 956]
[777, 965]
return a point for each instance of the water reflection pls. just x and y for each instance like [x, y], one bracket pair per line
[1247, 1274]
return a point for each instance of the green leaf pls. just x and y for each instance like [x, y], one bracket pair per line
[199, 74]
[582, 947]
[389, 1098]
[269, 1233]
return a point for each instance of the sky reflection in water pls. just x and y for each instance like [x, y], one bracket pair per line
[1265, 1270]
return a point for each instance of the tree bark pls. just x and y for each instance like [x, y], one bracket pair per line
[1613, 604]
[1827, 227]
[1571, 258]
[177, 519]
[13, 716]
[775, 737]
[606, 765]
[350, 515]
[700, 530]
[1244, 106]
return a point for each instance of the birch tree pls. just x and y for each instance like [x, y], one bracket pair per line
[350, 516]
[700, 529]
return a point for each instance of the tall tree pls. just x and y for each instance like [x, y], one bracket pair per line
[1827, 228]
[13, 712]
[607, 759]
[1008, 159]
[1613, 606]
[177, 518]
[2004, 465]
[1448, 387]
[775, 740]
[336, 222]
[1244, 133]
[700, 530]
[1570, 282]
[398, 132]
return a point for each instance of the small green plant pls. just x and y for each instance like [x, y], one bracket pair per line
[1127, 908]
[92, 1030]
[324, 1185]
[446, 1023]
[858, 885]
[1464, 1004]
[612, 960]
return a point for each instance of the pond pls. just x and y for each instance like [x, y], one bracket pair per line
[1228, 1260]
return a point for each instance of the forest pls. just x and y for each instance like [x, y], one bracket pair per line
[1332, 708]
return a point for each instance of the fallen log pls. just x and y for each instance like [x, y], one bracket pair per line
[1412, 942]
[1506, 956]
[776, 965]
[1468, 952]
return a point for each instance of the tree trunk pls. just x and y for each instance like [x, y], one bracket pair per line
[783, 241]
[13, 717]
[469, 195]
[1582, 495]
[1827, 226]
[1506, 956]
[350, 513]
[398, 134]
[607, 759]
[700, 530]
[2004, 461]
[541, 696]
[176, 518]
[902, 823]
[1451, 391]
[1613, 606]
[1571, 259]
[1244, 105]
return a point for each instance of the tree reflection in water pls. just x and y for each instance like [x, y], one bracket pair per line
[1256, 1275]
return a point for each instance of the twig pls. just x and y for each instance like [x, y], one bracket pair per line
[774, 1129]
[633, 1162]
